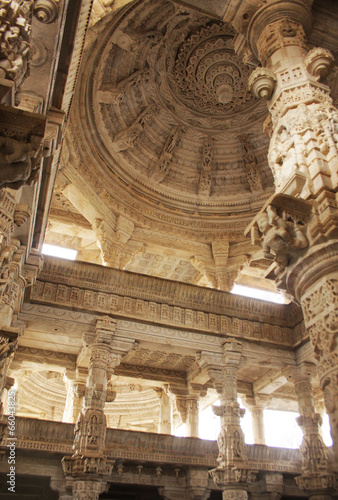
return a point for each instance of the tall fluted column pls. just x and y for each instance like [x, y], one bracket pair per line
[230, 474]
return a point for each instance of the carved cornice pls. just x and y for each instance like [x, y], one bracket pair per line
[145, 288]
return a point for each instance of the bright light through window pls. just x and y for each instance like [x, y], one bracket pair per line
[181, 431]
[210, 424]
[281, 429]
[255, 293]
[61, 252]
[326, 431]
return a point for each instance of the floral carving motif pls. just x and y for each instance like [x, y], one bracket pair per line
[208, 76]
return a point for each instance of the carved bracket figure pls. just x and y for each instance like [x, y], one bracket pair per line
[280, 230]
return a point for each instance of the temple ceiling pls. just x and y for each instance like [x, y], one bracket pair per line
[165, 159]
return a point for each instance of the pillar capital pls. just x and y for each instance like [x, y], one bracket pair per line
[297, 373]
[279, 25]
[256, 401]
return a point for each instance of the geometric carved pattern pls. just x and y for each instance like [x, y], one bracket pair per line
[156, 312]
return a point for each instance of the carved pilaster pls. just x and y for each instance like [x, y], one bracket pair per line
[87, 490]
[197, 484]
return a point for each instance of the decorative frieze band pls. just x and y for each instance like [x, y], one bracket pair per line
[106, 303]
[106, 280]
[57, 437]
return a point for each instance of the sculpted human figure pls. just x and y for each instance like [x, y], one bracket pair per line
[16, 163]
[222, 445]
[6, 349]
[280, 236]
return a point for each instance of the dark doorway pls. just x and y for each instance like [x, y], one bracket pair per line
[131, 492]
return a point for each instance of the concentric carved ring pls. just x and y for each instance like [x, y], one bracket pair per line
[207, 76]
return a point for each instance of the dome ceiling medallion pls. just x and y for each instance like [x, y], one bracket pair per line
[207, 76]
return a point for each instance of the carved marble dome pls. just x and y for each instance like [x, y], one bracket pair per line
[167, 106]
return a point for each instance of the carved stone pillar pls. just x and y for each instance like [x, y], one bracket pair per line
[256, 405]
[59, 484]
[230, 474]
[225, 277]
[303, 145]
[301, 237]
[171, 492]
[270, 487]
[316, 478]
[87, 490]
[320, 309]
[89, 466]
[197, 484]
[164, 426]
[75, 395]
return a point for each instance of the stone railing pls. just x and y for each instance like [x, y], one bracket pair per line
[133, 446]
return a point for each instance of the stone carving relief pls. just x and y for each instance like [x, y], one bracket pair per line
[21, 136]
[280, 234]
[305, 136]
[205, 179]
[15, 34]
[16, 20]
[116, 93]
[18, 162]
[161, 313]
[161, 170]
[208, 76]
[250, 162]
[127, 137]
